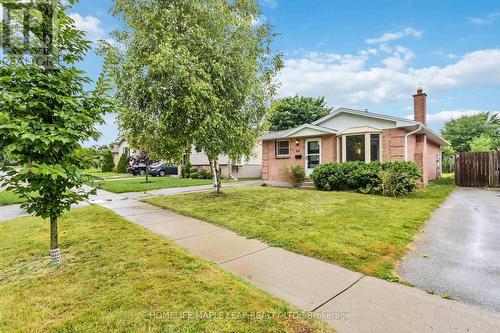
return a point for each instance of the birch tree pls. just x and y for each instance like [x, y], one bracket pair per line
[192, 73]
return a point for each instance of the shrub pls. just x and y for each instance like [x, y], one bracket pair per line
[194, 175]
[185, 170]
[107, 162]
[346, 176]
[204, 174]
[122, 165]
[399, 178]
[295, 174]
[391, 178]
[193, 169]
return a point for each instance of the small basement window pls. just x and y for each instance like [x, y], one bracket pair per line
[282, 148]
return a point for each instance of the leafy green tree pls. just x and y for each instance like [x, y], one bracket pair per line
[45, 112]
[481, 144]
[87, 158]
[107, 162]
[122, 165]
[462, 131]
[290, 112]
[192, 72]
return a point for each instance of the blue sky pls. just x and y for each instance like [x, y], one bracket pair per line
[368, 54]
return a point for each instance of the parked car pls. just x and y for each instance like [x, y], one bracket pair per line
[162, 169]
[137, 169]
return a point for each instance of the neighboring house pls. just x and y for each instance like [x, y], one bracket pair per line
[354, 135]
[121, 148]
[237, 169]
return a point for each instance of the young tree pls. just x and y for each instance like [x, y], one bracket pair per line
[462, 131]
[192, 72]
[45, 113]
[107, 161]
[290, 112]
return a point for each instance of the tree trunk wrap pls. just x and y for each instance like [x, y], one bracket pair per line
[54, 240]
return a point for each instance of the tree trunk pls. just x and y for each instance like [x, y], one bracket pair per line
[219, 179]
[147, 171]
[54, 240]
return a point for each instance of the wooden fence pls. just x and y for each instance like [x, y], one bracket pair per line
[478, 169]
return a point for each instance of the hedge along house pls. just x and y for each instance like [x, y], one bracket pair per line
[354, 135]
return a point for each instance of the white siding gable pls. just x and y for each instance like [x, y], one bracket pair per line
[346, 120]
[306, 132]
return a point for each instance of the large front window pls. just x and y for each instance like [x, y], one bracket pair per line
[363, 147]
[355, 148]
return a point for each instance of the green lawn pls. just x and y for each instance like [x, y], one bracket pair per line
[138, 184]
[109, 175]
[361, 232]
[10, 198]
[119, 277]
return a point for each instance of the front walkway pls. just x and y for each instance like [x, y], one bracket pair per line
[458, 251]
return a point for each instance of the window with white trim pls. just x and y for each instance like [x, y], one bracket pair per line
[374, 147]
[363, 147]
[282, 147]
[355, 148]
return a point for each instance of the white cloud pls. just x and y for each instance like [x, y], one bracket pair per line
[487, 20]
[391, 36]
[349, 80]
[442, 117]
[91, 25]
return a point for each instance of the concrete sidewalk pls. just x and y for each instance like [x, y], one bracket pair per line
[348, 301]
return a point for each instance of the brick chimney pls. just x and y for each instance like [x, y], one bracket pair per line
[419, 106]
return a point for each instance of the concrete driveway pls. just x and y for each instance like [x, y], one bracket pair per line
[458, 252]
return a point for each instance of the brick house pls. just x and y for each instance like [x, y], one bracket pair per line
[354, 135]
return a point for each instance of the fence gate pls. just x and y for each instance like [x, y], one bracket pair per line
[478, 169]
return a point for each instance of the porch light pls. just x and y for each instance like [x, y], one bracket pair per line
[297, 142]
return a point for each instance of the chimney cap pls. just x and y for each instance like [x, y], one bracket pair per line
[420, 91]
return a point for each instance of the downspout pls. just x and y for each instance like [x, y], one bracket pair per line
[406, 140]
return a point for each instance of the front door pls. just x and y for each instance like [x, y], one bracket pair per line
[313, 155]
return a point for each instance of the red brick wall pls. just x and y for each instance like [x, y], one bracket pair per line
[393, 144]
[329, 149]
[272, 165]
[421, 156]
[433, 150]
